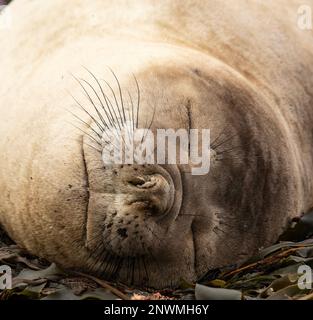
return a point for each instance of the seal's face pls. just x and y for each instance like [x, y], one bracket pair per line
[132, 219]
[140, 216]
[153, 224]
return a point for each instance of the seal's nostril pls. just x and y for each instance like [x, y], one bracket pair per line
[137, 181]
[150, 194]
[143, 183]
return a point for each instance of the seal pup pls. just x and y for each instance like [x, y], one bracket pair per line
[242, 70]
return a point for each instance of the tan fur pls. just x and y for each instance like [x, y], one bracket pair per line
[240, 65]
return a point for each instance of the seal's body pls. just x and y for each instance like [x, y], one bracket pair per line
[242, 69]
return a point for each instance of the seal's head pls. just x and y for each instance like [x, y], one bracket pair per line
[153, 223]
[139, 220]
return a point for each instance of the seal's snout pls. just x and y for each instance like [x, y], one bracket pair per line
[143, 209]
[151, 193]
